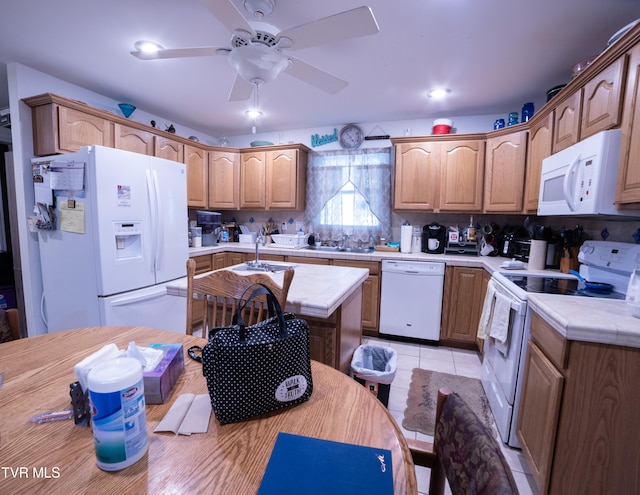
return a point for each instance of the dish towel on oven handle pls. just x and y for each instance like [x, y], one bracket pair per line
[500, 319]
[258, 369]
[487, 309]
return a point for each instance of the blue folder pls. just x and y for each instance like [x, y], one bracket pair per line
[307, 466]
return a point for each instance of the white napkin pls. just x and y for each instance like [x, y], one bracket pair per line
[487, 309]
[499, 329]
[189, 414]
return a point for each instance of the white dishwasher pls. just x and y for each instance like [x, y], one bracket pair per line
[411, 299]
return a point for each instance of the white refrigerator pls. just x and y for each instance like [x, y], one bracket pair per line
[118, 235]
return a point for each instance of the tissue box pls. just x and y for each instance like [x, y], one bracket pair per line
[159, 382]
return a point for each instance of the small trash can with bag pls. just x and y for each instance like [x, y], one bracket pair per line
[375, 367]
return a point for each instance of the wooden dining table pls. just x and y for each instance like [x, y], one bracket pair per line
[59, 457]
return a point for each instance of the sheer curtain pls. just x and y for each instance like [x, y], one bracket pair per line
[349, 192]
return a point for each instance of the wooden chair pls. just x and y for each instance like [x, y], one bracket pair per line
[463, 451]
[214, 297]
[14, 324]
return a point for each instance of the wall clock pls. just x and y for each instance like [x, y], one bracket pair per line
[351, 137]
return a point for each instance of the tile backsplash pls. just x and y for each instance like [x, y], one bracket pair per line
[620, 230]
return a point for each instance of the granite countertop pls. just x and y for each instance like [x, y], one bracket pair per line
[587, 319]
[316, 290]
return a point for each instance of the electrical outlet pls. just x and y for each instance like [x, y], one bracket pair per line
[283, 227]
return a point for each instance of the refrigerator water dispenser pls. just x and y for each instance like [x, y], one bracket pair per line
[128, 240]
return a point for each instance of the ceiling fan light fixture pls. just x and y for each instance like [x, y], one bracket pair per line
[438, 94]
[258, 62]
[148, 46]
[258, 8]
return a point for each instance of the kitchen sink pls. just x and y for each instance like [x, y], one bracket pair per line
[337, 249]
[262, 266]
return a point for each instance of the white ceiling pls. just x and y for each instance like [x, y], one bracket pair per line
[493, 55]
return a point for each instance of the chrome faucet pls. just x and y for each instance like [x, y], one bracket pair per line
[345, 239]
[260, 238]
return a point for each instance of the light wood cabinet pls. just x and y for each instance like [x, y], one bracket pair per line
[578, 400]
[462, 173]
[224, 180]
[370, 294]
[628, 186]
[504, 172]
[169, 148]
[195, 160]
[273, 179]
[59, 129]
[252, 180]
[416, 179]
[596, 106]
[236, 258]
[539, 411]
[566, 125]
[308, 260]
[539, 148]
[439, 175]
[133, 139]
[286, 177]
[219, 260]
[602, 100]
[462, 303]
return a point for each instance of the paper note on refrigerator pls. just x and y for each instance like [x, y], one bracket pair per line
[72, 218]
[67, 176]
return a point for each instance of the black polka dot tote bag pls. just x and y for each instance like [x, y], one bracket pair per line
[257, 369]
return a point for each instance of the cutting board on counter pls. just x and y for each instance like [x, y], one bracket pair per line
[387, 248]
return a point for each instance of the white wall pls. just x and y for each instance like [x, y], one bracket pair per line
[418, 127]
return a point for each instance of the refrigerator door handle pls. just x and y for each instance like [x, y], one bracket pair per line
[154, 218]
[159, 223]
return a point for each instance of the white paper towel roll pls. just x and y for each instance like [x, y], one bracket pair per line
[405, 238]
[537, 255]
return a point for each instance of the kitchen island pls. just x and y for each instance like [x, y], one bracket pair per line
[329, 298]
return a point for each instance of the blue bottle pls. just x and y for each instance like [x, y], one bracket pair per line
[527, 112]
[498, 124]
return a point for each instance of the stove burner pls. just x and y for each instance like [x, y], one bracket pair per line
[562, 286]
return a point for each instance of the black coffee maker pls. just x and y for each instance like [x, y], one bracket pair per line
[434, 238]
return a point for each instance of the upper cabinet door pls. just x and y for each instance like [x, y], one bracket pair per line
[462, 174]
[132, 139]
[628, 185]
[283, 169]
[539, 148]
[416, 182]
[566, 126]
[252, 180]
[197, 176]
[602, 100]
[224, 180]
[77, 129]
[504, 172]
[169, 149]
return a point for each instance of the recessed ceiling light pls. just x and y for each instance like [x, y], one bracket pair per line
[438, 93]
[148, 46]
[253, 114]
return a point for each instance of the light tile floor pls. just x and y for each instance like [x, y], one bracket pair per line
[445, 360]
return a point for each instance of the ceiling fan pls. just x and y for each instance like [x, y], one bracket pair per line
[257, 53]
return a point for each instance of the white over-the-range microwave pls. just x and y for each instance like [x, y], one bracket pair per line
[581, 179]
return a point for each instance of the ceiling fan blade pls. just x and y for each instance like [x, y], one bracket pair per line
[349, 24]
[202, 51]
[228, 15]
[241, 89]
[316, 77]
